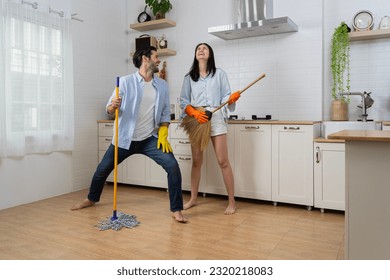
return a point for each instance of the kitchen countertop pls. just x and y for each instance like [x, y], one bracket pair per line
[362, 135]
[248, 122]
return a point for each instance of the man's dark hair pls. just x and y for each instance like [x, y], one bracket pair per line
[137, 57]
[194, 71]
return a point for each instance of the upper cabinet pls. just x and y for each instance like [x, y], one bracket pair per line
[156, 24]
[369, 34]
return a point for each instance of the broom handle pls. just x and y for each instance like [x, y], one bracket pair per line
[114, 216]
[241, 91]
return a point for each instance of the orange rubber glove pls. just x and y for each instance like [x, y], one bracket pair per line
[163, 140]
[234, 97]
[199, 115]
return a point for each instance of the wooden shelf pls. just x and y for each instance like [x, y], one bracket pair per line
[162, 52]
[153, 24]
[369, 34]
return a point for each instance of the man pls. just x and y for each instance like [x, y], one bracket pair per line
[144, 116]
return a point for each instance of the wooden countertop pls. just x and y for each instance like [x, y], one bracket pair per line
[248, 122]
[362, 135]
[325, 140]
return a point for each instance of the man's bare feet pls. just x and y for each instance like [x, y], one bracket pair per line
[190, 204]
[178, 216]
[86, 203]
[231, 209]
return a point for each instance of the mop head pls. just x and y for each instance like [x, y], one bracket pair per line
[123, 220]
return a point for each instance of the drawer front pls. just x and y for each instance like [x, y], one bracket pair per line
[181, 146]
[175, 131]
[106, 129]
[104, 142]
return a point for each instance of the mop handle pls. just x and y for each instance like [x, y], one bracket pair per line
[116, 150]
[241, 91]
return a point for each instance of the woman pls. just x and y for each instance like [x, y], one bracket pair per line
[207, 86]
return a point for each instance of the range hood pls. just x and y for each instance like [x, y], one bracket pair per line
[255, 19]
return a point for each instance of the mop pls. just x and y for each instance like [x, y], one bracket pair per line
[118, 219]
[199, 133]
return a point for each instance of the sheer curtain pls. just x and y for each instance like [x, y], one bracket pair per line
[36, 79]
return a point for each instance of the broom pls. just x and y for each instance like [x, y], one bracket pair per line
[199, 133]
[120, 219]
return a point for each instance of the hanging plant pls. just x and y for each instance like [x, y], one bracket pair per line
[340, 61]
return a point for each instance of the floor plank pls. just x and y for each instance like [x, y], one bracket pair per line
[48, 230]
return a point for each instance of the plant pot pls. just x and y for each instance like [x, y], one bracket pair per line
[159, 15]
[339, 110]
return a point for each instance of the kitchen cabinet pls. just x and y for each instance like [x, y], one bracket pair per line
[105, 134]
[181, 147]
[329, 176]
[153, 25]
[292, 163]
[214, 178]
[252, 161]
[136, 169]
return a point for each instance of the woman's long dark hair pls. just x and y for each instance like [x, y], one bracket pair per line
[194, 72]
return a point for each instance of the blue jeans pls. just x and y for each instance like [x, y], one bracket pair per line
[147, 147]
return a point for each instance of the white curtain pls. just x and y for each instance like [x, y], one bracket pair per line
[36, 79]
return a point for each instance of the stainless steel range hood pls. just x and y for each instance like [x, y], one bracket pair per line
[255, 18]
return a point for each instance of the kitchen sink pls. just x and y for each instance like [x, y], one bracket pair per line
[329, 127]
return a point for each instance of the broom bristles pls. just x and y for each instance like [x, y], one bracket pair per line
[198, 133]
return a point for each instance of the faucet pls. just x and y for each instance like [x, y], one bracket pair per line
[364, 115]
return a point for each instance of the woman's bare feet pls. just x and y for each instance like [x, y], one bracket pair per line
[86, 203]
[190, 204]
[231, 209]
[178, 216]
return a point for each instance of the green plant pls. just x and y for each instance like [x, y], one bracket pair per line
[340, 61]
[159, 6]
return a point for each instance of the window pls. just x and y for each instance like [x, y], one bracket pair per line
[38, 83]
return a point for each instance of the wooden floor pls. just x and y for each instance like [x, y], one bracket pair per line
[48, 230]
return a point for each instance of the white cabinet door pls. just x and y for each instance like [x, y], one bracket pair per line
[253, 161]
[181, 147]
[386, 127]
[155, 175]
[329, 176]
[292, 164]
[214, 179]
[106, 132]
[134, 170]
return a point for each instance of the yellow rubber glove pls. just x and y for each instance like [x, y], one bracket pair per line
[163, 140]
[199, 115]
[234, 97]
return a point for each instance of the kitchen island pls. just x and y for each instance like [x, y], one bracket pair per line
[367, 220]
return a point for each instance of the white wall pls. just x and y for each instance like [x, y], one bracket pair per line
[292, 62]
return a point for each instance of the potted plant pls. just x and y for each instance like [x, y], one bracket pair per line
[159, 7]
[340, 71]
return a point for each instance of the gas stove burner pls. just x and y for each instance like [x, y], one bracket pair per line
[267, 117]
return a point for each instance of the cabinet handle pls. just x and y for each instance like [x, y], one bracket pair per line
[108, 125]
[318, 154]
[252, 127]
[184, 142]
[185, 158]
[108, 139]
[292, 128]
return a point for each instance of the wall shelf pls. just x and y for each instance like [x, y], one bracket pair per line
[369, 34]
[153, 24]
[162, 52]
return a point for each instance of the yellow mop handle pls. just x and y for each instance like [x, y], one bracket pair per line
[114, 216]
